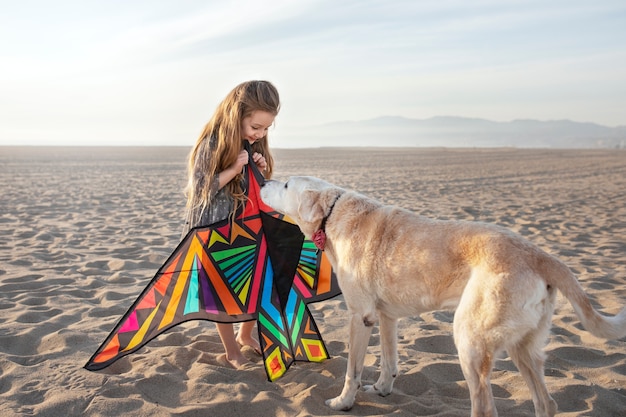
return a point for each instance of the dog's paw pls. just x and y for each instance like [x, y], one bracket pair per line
[338, 404]
[372, 389]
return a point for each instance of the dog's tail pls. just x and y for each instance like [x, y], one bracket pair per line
[606, 327]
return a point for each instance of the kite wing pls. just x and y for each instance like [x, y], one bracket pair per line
[257, 267]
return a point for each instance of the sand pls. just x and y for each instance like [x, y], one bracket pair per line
[82, 231]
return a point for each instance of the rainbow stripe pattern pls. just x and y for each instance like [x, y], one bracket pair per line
[256, 267]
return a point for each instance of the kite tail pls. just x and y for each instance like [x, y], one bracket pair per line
[289, 337]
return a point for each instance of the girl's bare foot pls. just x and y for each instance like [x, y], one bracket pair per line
[233, 355]
[236, 361]
[249, 341]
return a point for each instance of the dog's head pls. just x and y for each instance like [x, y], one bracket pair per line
[305, 199]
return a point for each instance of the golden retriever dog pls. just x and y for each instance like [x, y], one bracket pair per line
[391, 262]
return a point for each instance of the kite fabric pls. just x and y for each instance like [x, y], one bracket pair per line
[257, 267]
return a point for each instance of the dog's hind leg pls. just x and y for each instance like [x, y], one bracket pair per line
[476, 340]
[389, 356]
[477, 363]
[360, 330]
[529, 358]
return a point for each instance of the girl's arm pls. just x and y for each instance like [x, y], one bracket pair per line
[231, 172]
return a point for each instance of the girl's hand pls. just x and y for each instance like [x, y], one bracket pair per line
[259, 161]
[242, 160]
[235, 169]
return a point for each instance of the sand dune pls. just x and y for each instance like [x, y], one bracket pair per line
[82, 231]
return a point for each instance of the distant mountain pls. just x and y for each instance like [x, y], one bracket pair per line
[449, 131]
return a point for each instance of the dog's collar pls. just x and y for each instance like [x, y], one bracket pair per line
[319, 237]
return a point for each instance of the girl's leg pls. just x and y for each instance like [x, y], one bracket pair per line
[231, 346]
[244, 336]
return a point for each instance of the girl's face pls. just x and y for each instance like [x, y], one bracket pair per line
[255, 126]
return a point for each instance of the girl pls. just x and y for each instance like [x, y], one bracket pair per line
[214, 189]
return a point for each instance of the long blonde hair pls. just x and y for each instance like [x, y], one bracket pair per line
[221, 141]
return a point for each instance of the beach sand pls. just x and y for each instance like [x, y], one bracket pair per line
[83, 230]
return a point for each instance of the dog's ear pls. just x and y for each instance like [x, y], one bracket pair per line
[310, 209]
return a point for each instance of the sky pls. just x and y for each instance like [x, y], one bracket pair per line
[151, 72]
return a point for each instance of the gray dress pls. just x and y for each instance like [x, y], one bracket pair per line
[220, 206]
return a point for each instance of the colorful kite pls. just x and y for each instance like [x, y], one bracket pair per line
[257, 267]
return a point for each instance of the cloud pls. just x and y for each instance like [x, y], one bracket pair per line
[157, 69]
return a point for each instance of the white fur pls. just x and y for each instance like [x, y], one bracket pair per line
[392, 263]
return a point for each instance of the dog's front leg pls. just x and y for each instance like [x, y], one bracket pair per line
[360, 330]
[389, 356]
